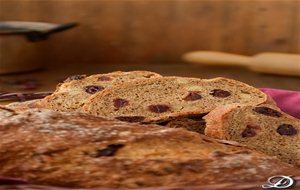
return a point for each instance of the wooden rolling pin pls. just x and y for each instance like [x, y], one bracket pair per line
[273, 63]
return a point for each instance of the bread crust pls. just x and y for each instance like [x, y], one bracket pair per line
[75, 150]
[214, 121]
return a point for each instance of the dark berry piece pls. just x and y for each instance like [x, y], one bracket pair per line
[250, 131]
[76, 77]
[192, 96]
[119, 103]
[286, 129]
[110, 150]
[104, 78]
[219, 93]
[159, 108]
[130, 119]
[92, 89]
[267, 111]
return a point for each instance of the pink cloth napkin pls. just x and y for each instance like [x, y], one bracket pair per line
[287, 101]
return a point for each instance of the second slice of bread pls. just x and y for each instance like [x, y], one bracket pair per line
[161, 99]
[264, 128]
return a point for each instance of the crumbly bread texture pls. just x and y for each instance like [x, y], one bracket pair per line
[161, 99]
[77, 150]
[264, 128]
[72, 94]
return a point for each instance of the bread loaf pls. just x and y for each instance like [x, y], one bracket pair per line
[78, 150]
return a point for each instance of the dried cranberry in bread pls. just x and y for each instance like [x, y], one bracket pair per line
[72, 94]
[77, 150]
[161, 99]
[263, 127]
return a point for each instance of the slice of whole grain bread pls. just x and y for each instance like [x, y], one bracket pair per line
[72, 94]
[263, 128]
[161, 99]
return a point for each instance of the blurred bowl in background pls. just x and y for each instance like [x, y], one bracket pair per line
[20, 43]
